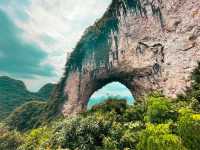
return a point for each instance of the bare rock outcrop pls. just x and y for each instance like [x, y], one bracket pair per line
[145, 44]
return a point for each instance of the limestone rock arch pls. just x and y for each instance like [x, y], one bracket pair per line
[140, 78]
[144, 44]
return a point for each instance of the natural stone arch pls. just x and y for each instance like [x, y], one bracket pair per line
[80, 85]
[100, 83]
[112, 90]
[146, 45]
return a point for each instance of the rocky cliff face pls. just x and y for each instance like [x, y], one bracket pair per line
[145, 44]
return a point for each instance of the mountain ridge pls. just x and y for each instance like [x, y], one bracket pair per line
[13, 93]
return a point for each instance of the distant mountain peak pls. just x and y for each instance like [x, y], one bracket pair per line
[46, 90]
[13, 93]
[8, 82]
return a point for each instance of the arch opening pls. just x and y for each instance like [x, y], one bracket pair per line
[112, 90]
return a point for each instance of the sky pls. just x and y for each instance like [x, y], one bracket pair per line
[37, 35]
[114, 89]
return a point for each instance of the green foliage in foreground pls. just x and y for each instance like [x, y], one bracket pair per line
[159, 137]
[159, 109]
[9, 140]
[154, 125]
[189, 128]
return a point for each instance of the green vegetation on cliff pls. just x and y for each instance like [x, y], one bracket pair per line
[96, 39]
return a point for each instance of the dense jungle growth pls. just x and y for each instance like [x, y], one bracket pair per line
[159, 123]
[156, 123]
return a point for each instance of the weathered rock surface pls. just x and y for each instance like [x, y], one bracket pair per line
[156, 46]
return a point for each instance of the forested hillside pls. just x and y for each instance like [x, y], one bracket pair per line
[13, 93]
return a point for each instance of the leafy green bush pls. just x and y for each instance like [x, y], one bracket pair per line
[114, 136]
[9, 140]
[79, 133]
[110, 144]
[159, 110]
[135, 113]
[159, 137]
[189, 128]
[195, 105]
[36, 139]
[101, 128]
[118, 105]
[123, 136]
[193, 93]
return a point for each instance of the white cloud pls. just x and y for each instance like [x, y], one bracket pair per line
[61, 21]
[55, 25]
[36, 83]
